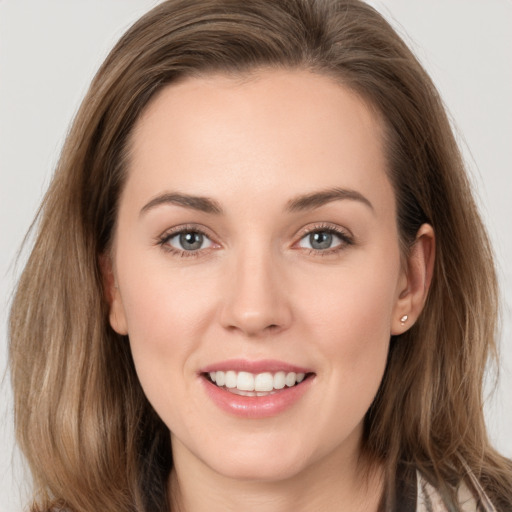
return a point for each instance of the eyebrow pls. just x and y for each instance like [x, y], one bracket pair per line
[202, 204]
[322, 197]
[299, 203]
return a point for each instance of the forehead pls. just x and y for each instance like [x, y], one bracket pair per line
[270, 131]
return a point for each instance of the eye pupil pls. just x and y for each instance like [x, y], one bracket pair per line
[191, 241]
[320, 240]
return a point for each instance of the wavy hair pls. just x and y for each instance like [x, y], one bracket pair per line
[92, 440]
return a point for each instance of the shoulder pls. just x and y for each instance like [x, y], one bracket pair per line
[471, 497]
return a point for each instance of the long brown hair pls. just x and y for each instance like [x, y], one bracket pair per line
[91, 438]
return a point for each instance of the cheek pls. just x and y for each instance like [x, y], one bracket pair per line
[349, 315]
[163, 306]
[353, 302]
[166, 319]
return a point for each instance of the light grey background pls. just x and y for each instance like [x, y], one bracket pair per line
[50, 49]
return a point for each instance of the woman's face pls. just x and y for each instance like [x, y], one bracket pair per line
[256, 245]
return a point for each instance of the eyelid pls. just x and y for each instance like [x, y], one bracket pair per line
[343, 233]
[324, 226]
[166, 235]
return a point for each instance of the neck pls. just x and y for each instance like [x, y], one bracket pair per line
[332, 484]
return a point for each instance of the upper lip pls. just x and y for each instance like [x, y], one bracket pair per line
[260, 366]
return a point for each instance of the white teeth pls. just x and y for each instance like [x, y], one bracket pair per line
[220, 378]
[230, 379]
[279, 380]
[245, 381]
[290, 379]
[264, 382]
[252, 384]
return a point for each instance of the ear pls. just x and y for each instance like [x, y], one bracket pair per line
[117, 315]
[415, 281]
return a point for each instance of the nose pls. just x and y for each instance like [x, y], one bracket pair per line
[256, 298]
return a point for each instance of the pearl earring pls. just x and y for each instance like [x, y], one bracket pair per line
[404, 319]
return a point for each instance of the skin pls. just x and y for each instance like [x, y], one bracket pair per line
[256, 290]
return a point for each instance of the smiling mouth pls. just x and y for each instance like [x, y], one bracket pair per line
[251, 384]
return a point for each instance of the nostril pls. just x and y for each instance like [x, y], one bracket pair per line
[255, 317]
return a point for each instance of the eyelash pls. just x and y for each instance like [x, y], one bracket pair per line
[163, 241]
[345, 237]
[346, 240]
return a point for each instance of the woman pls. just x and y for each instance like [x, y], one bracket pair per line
[255, 278]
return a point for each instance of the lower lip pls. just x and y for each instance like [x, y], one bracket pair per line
[256, 406]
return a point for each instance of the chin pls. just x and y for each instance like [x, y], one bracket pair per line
[263, 469]
[263, 458]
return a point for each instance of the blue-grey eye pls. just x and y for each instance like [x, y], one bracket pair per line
[189, 241]
[320, 240]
